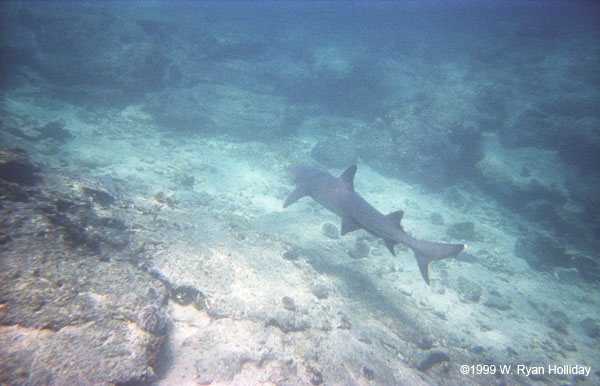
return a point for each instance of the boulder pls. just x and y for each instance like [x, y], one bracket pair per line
[464, 231]
[532, 128]
[541, 252]
[16, 167]
[336, 153]
[517, 177]
[468, 291]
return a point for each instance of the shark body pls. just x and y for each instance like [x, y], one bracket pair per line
[338, 196]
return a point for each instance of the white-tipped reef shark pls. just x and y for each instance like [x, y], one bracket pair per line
[338, 196]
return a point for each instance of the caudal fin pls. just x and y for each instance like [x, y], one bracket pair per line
[428, 251]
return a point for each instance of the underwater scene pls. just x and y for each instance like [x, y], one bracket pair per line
[300, 193]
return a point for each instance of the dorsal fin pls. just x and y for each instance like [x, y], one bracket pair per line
[396, 217]
[348, 177]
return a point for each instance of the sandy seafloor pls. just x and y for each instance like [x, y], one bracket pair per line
[285, 303]
[248, 179]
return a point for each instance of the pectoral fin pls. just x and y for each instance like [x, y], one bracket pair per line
[349, 225]
[294, 196]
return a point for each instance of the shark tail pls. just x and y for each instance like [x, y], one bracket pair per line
[428, 251]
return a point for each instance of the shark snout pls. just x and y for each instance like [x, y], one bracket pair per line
[294, 173]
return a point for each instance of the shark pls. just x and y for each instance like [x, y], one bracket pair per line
[337, 194]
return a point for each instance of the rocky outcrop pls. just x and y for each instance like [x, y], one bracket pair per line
[209, 108]
[545, 253]
[69, 293]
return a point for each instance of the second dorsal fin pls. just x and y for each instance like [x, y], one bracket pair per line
[396, 217]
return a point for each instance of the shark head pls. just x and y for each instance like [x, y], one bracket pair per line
[300, 174]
